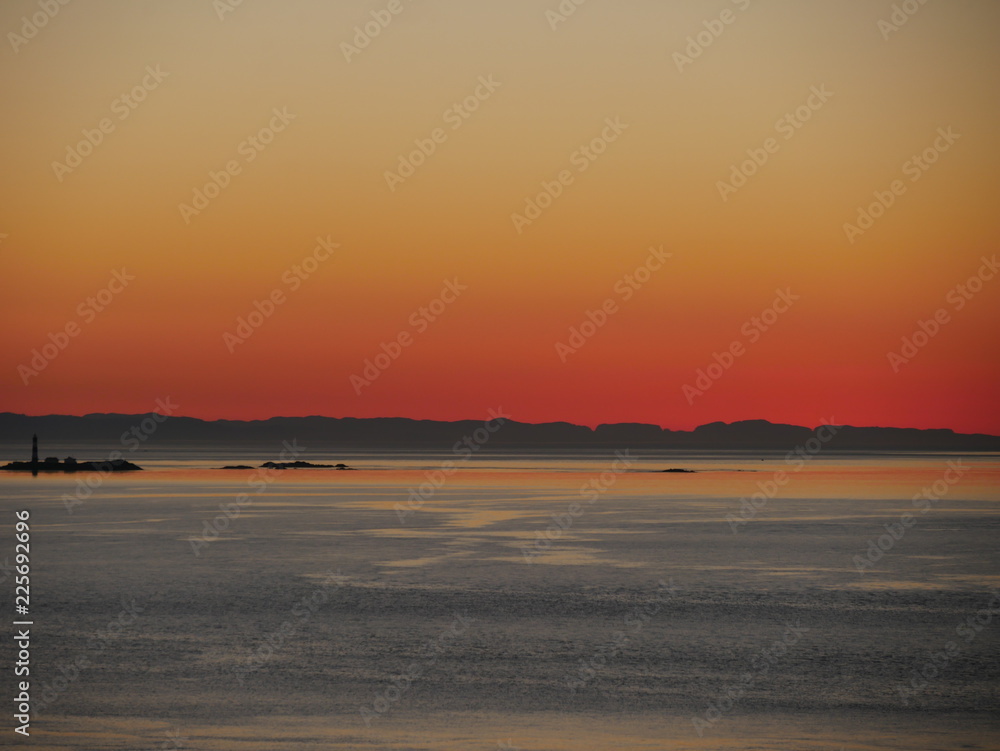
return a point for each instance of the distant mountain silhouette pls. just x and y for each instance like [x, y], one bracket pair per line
[401, 432]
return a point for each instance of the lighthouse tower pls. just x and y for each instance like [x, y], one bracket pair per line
[34, 449]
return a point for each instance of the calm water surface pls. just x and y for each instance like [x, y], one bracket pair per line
[537, 600]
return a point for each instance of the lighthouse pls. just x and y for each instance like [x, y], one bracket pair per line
[34, 449]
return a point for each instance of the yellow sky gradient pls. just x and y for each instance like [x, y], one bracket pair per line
[324, 175]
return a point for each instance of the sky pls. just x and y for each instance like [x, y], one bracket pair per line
[660, 212]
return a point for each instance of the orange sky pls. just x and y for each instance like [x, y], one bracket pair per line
[869, 98]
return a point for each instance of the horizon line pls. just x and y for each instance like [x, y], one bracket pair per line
[512, 419]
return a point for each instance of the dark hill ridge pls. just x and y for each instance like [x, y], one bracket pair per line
[401, 432]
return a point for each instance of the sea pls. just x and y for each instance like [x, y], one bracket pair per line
[499, 600]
